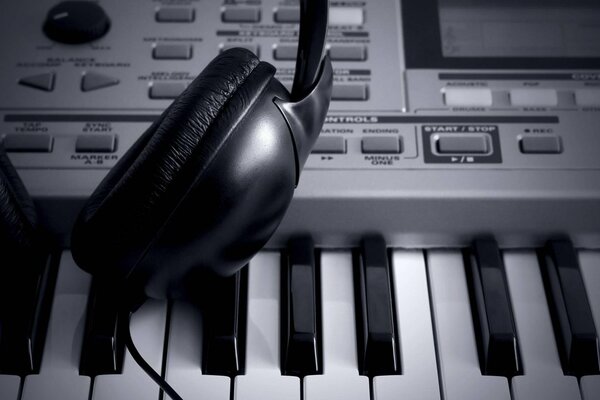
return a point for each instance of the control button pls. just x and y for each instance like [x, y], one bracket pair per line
[285, 52]
[349, 92]
[462, 144]
[42, 81]
[547, 144]
[346, 16]
[172, 52]
[175, 14]
[468, 97]
[166, 90]
[241, 14]
[34, 143]
[289, 15]
[94, 81]
[250, 47]
[381, 144]
[76, 22]
[330, 145]
[587, 97]
[348, 53]
[534, 97]
[95, 144]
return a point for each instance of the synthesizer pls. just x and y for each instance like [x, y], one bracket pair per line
[455, 186]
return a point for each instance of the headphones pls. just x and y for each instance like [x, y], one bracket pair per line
[206, 186]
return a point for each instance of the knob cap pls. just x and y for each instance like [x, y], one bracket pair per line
[76, 22]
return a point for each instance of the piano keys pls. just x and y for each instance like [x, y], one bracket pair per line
[431, 317]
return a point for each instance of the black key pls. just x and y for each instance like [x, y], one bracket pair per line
[377, 345]
[300, 340]
[103, 340]
[25, 303]
[492, 312]
[226, 322]
[574, 328]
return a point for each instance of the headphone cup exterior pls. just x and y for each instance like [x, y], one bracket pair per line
[126, 216]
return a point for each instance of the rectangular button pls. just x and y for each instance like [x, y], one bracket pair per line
[34, 143]
[175, 14]
[463, 144]
[547, 144]
[350, 92]
[285, 52]
[348, 53]
[241, 14]
[587, 97]
[250, 47]
[346, 16]
[330, 145]
[468, 97]
[172, 52]
[534, 97]
[381, 144]
[95, 144]
[287, 15]
[166, 90]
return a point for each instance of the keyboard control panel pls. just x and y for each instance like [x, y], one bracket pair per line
[82, 81]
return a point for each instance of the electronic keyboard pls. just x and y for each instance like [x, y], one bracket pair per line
[443, 241]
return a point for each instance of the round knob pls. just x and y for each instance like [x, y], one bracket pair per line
[76, 22]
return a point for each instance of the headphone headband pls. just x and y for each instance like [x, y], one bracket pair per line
[311, 43]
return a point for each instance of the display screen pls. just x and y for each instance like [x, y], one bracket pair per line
[520, 28]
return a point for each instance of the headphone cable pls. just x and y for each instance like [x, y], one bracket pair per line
[139, 359]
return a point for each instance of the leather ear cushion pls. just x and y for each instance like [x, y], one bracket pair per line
[18, 220]
[126, 212]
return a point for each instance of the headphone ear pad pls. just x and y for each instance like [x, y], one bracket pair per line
[125, 215]
[18, 219]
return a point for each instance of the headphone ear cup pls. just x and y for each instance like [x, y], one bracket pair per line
[125, 215]
[18, 218]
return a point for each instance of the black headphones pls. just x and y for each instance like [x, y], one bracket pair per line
[206, 186]
[203, 189]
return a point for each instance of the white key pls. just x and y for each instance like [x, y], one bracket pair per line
[589, 262]
[148, 333]
[184, 357]
[543, 375]
[419, 379]
[340, 379]
[459, 363]
[263, 379]
[590, 387]
[9, 387]
[59, 373]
